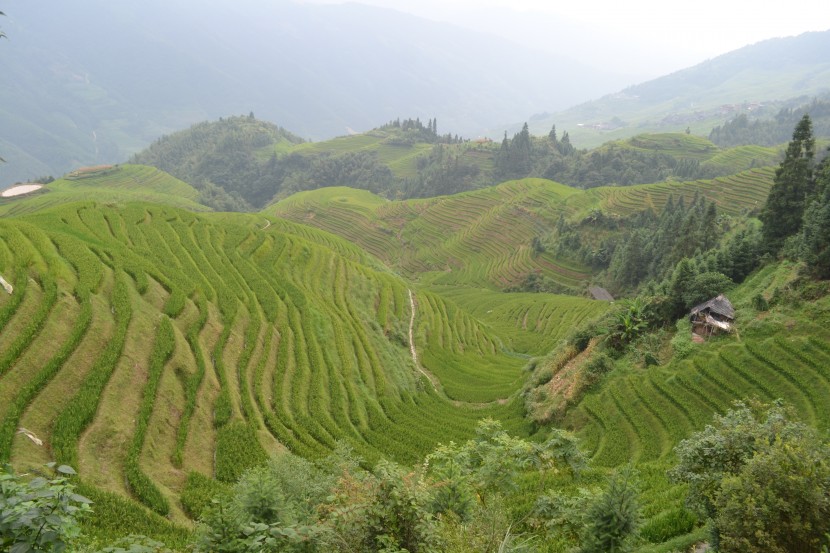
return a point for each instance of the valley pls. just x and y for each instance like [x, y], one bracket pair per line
[237, 339]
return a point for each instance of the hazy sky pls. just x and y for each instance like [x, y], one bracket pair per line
[640, 37]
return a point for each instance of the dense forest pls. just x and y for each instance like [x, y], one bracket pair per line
[776, 130]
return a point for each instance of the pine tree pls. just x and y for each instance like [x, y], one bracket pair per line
[565, 146]
[613, 518]
[816, 230]
[784, 211]
[552, 135]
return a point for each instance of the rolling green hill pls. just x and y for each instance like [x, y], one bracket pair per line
[242, 164]
[147, 342]
[139, 337]
[108, 184]
[484, 238]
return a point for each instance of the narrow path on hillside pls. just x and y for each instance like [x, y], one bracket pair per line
[429, 376]
[268, 224]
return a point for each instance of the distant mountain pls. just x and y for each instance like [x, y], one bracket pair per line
[95, 81]
[703, 96]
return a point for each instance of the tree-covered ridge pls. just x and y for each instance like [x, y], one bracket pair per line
[219, 159]
[771, 131]
[639, 160]
[240, 163]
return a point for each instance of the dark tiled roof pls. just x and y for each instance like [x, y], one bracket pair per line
[719, 305]
[600, 293]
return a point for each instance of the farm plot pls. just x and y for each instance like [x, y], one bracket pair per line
[481, 238]
[224, 335]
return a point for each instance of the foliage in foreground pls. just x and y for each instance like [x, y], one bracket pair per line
[761, 478]
[40, 514]
[294, 505]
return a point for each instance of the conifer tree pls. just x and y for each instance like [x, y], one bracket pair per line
[565, 146]
[816, 230]
[783, 213]
[614, 518]
[552, 135]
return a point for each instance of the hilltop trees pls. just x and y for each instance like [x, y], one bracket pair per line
[783, 213]
[515, 157]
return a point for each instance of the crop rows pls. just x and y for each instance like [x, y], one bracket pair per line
[290, 332]
[643, 416]
[744, 191]
[481, 238]
[139, 483]
[134, 183]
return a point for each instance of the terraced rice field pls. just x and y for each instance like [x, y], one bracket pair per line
[639, 415]
[401, 159]
[745, 191]
[137, 183]
[481, 238]
[143, 343]
[529, 324]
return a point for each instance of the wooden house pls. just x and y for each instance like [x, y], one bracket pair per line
[713, 316]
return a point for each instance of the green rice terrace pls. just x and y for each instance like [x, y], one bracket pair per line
[156, 346]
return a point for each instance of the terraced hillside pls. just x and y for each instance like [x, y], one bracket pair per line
[740, 193]
[142, 343]
[484, 238]
[146, 345]
[120, 183]
[639, 415]
[481, 238]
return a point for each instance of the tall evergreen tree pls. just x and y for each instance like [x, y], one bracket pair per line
[783, 213]
[816, 230]
[565, 146]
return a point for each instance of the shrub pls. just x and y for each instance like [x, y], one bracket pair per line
[667, 525]
[39, 514]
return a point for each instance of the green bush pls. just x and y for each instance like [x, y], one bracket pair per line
[682, 342]
[667, 525]
[198, 492]
[39, 514]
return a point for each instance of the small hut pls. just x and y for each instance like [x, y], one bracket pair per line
[713, 316]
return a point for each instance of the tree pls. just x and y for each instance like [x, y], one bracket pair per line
[783, 213]
[383, 511]
[552, 136]
[613, 518]
[39, 514]
[705, 286]
[779, 502]
[762, 479]
[815, 236]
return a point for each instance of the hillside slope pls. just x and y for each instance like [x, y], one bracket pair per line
[139, 339]
[484, 238]
[705, 95]
[108, 184]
